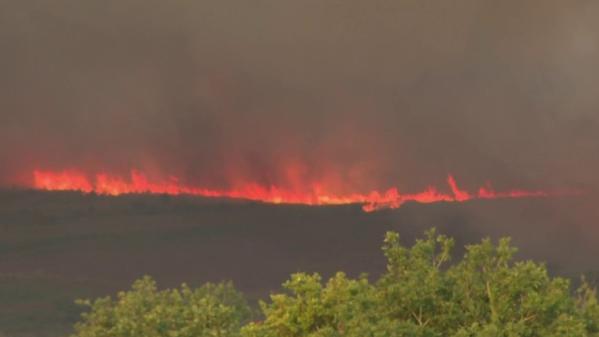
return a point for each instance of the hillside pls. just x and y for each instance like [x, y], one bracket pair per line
[58, 246]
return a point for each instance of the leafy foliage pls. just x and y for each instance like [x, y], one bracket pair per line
[485, 294]
[211, 310]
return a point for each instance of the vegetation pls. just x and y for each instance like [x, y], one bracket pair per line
[421, 294]
[211, 310]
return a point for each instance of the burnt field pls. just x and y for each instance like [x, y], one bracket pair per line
[59, 246]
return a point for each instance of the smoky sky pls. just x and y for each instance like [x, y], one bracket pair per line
[369, 94]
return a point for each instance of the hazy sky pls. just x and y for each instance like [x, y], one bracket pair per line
[372, 93]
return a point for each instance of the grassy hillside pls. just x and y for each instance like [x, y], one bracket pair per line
[58, 246]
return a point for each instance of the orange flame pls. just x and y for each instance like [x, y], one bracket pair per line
[106, 184]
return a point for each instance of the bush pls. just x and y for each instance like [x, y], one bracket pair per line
[144, 311]
[484, 294]
[421, 294]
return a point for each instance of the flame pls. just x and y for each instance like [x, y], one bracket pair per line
[138, 182]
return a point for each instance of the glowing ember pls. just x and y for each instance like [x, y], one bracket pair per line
[107, 184]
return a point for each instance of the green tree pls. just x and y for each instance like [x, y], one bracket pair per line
[485, 294]
[313, 310]
[144, 311]
[423, 293]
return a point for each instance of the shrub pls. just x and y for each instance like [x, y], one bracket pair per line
[144, 311]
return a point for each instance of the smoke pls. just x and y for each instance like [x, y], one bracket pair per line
[366, 95]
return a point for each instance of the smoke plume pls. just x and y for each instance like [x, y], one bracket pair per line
[362, 95]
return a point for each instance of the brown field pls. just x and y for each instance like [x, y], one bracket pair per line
[59, 246]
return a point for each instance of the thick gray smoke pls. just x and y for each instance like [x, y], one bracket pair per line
[362, 94]
[380, 93]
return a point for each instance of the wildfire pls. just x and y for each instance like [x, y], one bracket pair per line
[138, 182]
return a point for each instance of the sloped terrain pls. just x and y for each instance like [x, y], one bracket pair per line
[59, 246]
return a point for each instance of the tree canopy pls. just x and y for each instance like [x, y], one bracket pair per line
[144, 311]
[422, 294]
